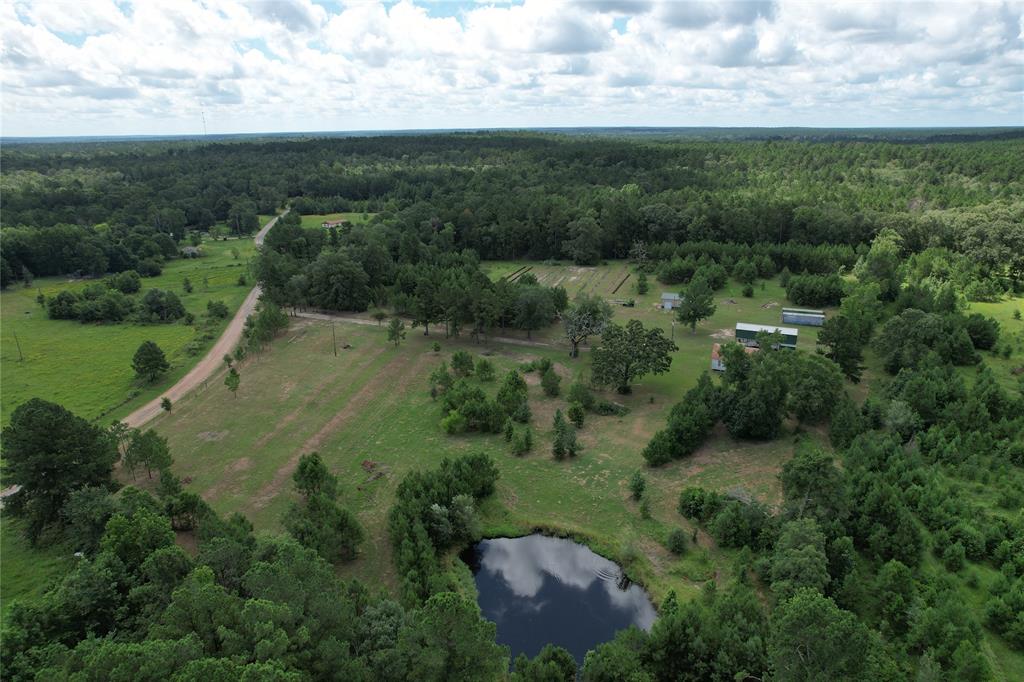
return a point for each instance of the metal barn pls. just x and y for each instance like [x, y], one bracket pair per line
[747, 334]
[670, 301]
[810, 318]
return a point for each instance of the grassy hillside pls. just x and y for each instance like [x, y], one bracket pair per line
[87, 367]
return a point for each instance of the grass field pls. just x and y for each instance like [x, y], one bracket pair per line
[369, 411]
[1011, 334]
[315, 220]
[87, 367]
[25, 571]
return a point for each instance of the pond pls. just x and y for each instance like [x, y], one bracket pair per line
[542, 590]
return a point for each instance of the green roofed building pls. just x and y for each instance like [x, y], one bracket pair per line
[747, 334]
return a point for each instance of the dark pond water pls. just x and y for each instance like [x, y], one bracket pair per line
[541, 590]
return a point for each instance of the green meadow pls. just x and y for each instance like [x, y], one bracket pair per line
[87, 367]
[317, 219]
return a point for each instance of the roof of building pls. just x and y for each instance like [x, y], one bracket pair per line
[716, 351]
[670, 296]
[333, 223]
[804, 311]
[767, 328]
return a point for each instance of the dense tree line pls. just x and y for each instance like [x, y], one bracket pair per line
[516, 195]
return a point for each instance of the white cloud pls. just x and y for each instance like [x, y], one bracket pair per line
[98, 66]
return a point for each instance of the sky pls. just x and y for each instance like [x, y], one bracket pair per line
[160, 67]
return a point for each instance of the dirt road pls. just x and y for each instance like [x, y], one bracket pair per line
[213, 360]
[373, 323]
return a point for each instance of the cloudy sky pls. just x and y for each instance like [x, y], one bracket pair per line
[95, 67]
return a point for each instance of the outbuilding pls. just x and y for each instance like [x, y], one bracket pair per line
[670, 301]
[810, 318]
[746, 334]
[332, 223]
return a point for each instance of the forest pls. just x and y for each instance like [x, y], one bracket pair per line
[897, 550]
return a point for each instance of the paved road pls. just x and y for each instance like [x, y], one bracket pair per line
[213, 360]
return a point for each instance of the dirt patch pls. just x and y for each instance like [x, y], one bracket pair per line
[212, 436]
[286, 390]
[724, 334]
[770, 304]
[240, 464]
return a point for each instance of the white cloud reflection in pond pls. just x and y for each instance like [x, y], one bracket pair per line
[541, 590]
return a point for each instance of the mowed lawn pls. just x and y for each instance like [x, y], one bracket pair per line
[87, 367]
[369, 414]
[316, 220]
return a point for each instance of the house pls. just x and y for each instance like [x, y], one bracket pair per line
[810, 318]
[717, 364]
[670, 301]
[327, 224]
[747, 334]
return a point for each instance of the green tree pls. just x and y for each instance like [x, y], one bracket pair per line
[627, 353]
[552, 664]
[320, 524]
[641, 284]
[311, 477]
[587, 316]
[147, 449]
[50, 453]
[813, 639]
[165, 404]
[576, 414]
[697, 303]
[462, 363]
[232, 381]
[396, 331]
[815, 385]
[186, 285]
[881, 264]
[799, 559]
[450, 641]
[149, 361]
[550, 382]
[843, 346]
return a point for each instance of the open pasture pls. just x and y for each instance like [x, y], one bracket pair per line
[368, 412]
[316, 220]
[87, 367]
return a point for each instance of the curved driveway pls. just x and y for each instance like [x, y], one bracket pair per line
[213, 360]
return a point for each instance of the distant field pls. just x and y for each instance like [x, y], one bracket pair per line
[87, 367]
[315, 220]
[369, 410]
[1011, 333]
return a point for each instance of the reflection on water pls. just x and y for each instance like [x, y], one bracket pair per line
[541, 590]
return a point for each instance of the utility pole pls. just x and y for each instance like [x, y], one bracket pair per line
[21, 358]
[335, 337]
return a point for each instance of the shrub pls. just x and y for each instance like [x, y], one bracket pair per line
[484, 370]
[645, 507]
[580, 394]
[522, 442]
[608, 408]
[127, 282]
[576, 415]
[217, 310]
[149, 268]
[454, 423]
[677, 542]
[637, 485]
[550, 382]
[748, 291]
[462, 363]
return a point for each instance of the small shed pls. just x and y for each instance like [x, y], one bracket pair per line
[746, 334]
[670, 301]
[191, 252]
[810, 318]
[327, 224]
[717, 364]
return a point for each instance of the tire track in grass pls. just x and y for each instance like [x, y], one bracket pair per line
[377, 386]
